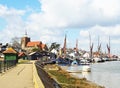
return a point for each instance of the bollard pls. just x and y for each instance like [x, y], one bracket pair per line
[7, 64]
[4, 65]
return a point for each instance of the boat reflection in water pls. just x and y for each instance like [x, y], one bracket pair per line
[76, 68]
[105, 74]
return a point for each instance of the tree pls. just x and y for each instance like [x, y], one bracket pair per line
[16, 43]
[35, 49]
[46, 48]
[54, 46]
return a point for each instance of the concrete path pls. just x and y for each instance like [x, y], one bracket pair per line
[18, 77]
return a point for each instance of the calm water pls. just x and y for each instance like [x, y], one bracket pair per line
[105, 74]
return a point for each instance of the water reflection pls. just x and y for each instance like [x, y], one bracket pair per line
[106, 74]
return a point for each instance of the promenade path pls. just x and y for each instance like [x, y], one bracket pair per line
[18, 77]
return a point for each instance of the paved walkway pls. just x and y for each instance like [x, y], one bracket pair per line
[18, 77]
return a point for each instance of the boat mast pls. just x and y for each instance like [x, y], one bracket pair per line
[99, 46]
[77, 45]
[64, 47]
[91, 47]
[108, 47]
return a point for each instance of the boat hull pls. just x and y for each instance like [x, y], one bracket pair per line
[80, 68]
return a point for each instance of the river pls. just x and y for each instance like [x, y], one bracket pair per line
[106, 74]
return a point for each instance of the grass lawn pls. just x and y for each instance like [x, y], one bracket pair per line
[67, 81]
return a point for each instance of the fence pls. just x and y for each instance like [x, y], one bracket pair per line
[44, 76]
[5, 65]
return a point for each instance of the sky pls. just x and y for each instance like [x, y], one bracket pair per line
[49, 20]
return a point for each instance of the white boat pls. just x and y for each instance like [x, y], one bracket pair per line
[74, 67]
[84, 62]
[96, 59]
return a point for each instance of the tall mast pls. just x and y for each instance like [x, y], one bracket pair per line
[77, 45]
[64, 47]
[108, 47]
[91, 47]
[99, 45]
[98, 42]
[109, 41]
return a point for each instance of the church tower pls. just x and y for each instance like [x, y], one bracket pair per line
[24, 41]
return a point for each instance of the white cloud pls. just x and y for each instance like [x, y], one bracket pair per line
[99, 17]
[14, 23]
[103, 32]
[80, 12]
[60, 14]
[84, 33]
[109, 9]
[6, 12]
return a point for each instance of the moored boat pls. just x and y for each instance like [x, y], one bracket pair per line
[75, 67]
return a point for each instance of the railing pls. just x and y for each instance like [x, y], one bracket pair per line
[44, 76]
[6, 65]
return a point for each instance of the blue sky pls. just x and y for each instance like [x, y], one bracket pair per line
[49, 21]
[21, 4]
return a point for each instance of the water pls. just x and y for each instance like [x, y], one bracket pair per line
[105, 74]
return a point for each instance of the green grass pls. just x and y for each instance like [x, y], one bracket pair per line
[62, 77]
[67, 81]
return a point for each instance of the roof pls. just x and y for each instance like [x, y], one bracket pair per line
[33, 43]
[36, 53]
[36, 43]
[32, 53]
[10, 50]
[21, 54]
